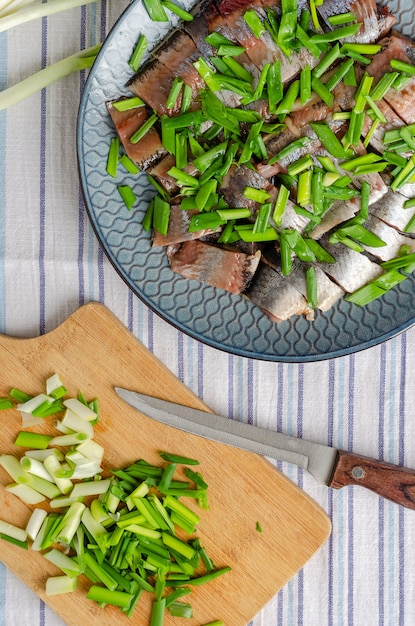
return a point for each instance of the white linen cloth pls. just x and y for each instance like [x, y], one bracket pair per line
[51, 263]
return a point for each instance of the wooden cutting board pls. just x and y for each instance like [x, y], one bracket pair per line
[93, 352]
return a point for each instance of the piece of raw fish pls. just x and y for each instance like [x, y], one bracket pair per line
[275, 296]
[392, 238]
[390, 210]
[340, 211]
[328, 292]
[149, 149]
[219, 267]
[153, 85]
[178, 230]
[365, 11]
[352, 269]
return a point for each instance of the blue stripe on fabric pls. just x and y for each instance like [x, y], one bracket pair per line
[230, 387]
[3, 155]
[330, 421]
[350, 551]
[340, 501]
[200, 360]
[3, 125]
[81, 207]
[180, 357]
[250, 384]
[300, 474]
[42, 189]
[381, 513]
[401, 531]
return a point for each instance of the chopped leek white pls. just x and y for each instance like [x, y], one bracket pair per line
[80, 409]
[12, 531]
[26, 494]
[35, 522]
[60, 584]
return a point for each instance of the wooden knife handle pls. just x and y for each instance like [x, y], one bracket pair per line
[390, 481]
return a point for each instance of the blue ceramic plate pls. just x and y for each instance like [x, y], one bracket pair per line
[213, 316]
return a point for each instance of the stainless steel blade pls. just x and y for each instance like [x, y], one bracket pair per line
[317, 459]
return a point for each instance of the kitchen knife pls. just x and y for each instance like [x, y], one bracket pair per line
[329, 466]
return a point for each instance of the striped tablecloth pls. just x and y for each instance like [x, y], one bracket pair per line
[51, 263]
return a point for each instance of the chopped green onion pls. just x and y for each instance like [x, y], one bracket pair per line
[305, 84]
[365, 159]
[383, 85]
[294, 145]
[126, 104]
[230, 50]
[129, 165]
[304, 187]
[300, 165]
[401, 66]
[336, 35]
[233, 214]
[307, 42]
[238, 70]
[329, 140]
[187, 97]
[32, 440]
[144, 128]
[156, 10]
[179, 11]
[128, 196]
[247, 234]
[174, 93]
[287, 102]
[327, 61]
[341, 18]
[138, 53]
[263, 215]
[340, 73]
[254, 22]
[311, 282]
[362, 48]
[321, 90]
[257, 195]
[161, 214]
[182, 177]
[280, 204]
[6, 403]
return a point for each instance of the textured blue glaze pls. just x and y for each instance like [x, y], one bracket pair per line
[212, 316]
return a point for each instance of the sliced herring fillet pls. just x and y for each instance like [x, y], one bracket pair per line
[352, 269]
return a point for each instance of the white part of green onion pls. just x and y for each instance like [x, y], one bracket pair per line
[41, 455]
[35, 522]
[91, 488]
[97, 530]
[70, 522]
[68, 440]
[90, 449]
[11, 464]
[13, 531]
[34, 403]
[64, 562]
[53, 466]
[77, 424]
[62, 502]
[62, 428]
[80, 409]
[53, 382]
[29, 420]
[35, 467]
[60, 584]
[25, 493]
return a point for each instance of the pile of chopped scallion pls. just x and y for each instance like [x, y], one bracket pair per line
[128, 534]
[206, 142]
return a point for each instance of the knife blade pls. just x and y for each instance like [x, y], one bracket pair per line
[329, 466]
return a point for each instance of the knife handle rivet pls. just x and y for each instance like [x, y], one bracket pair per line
[357, 472]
